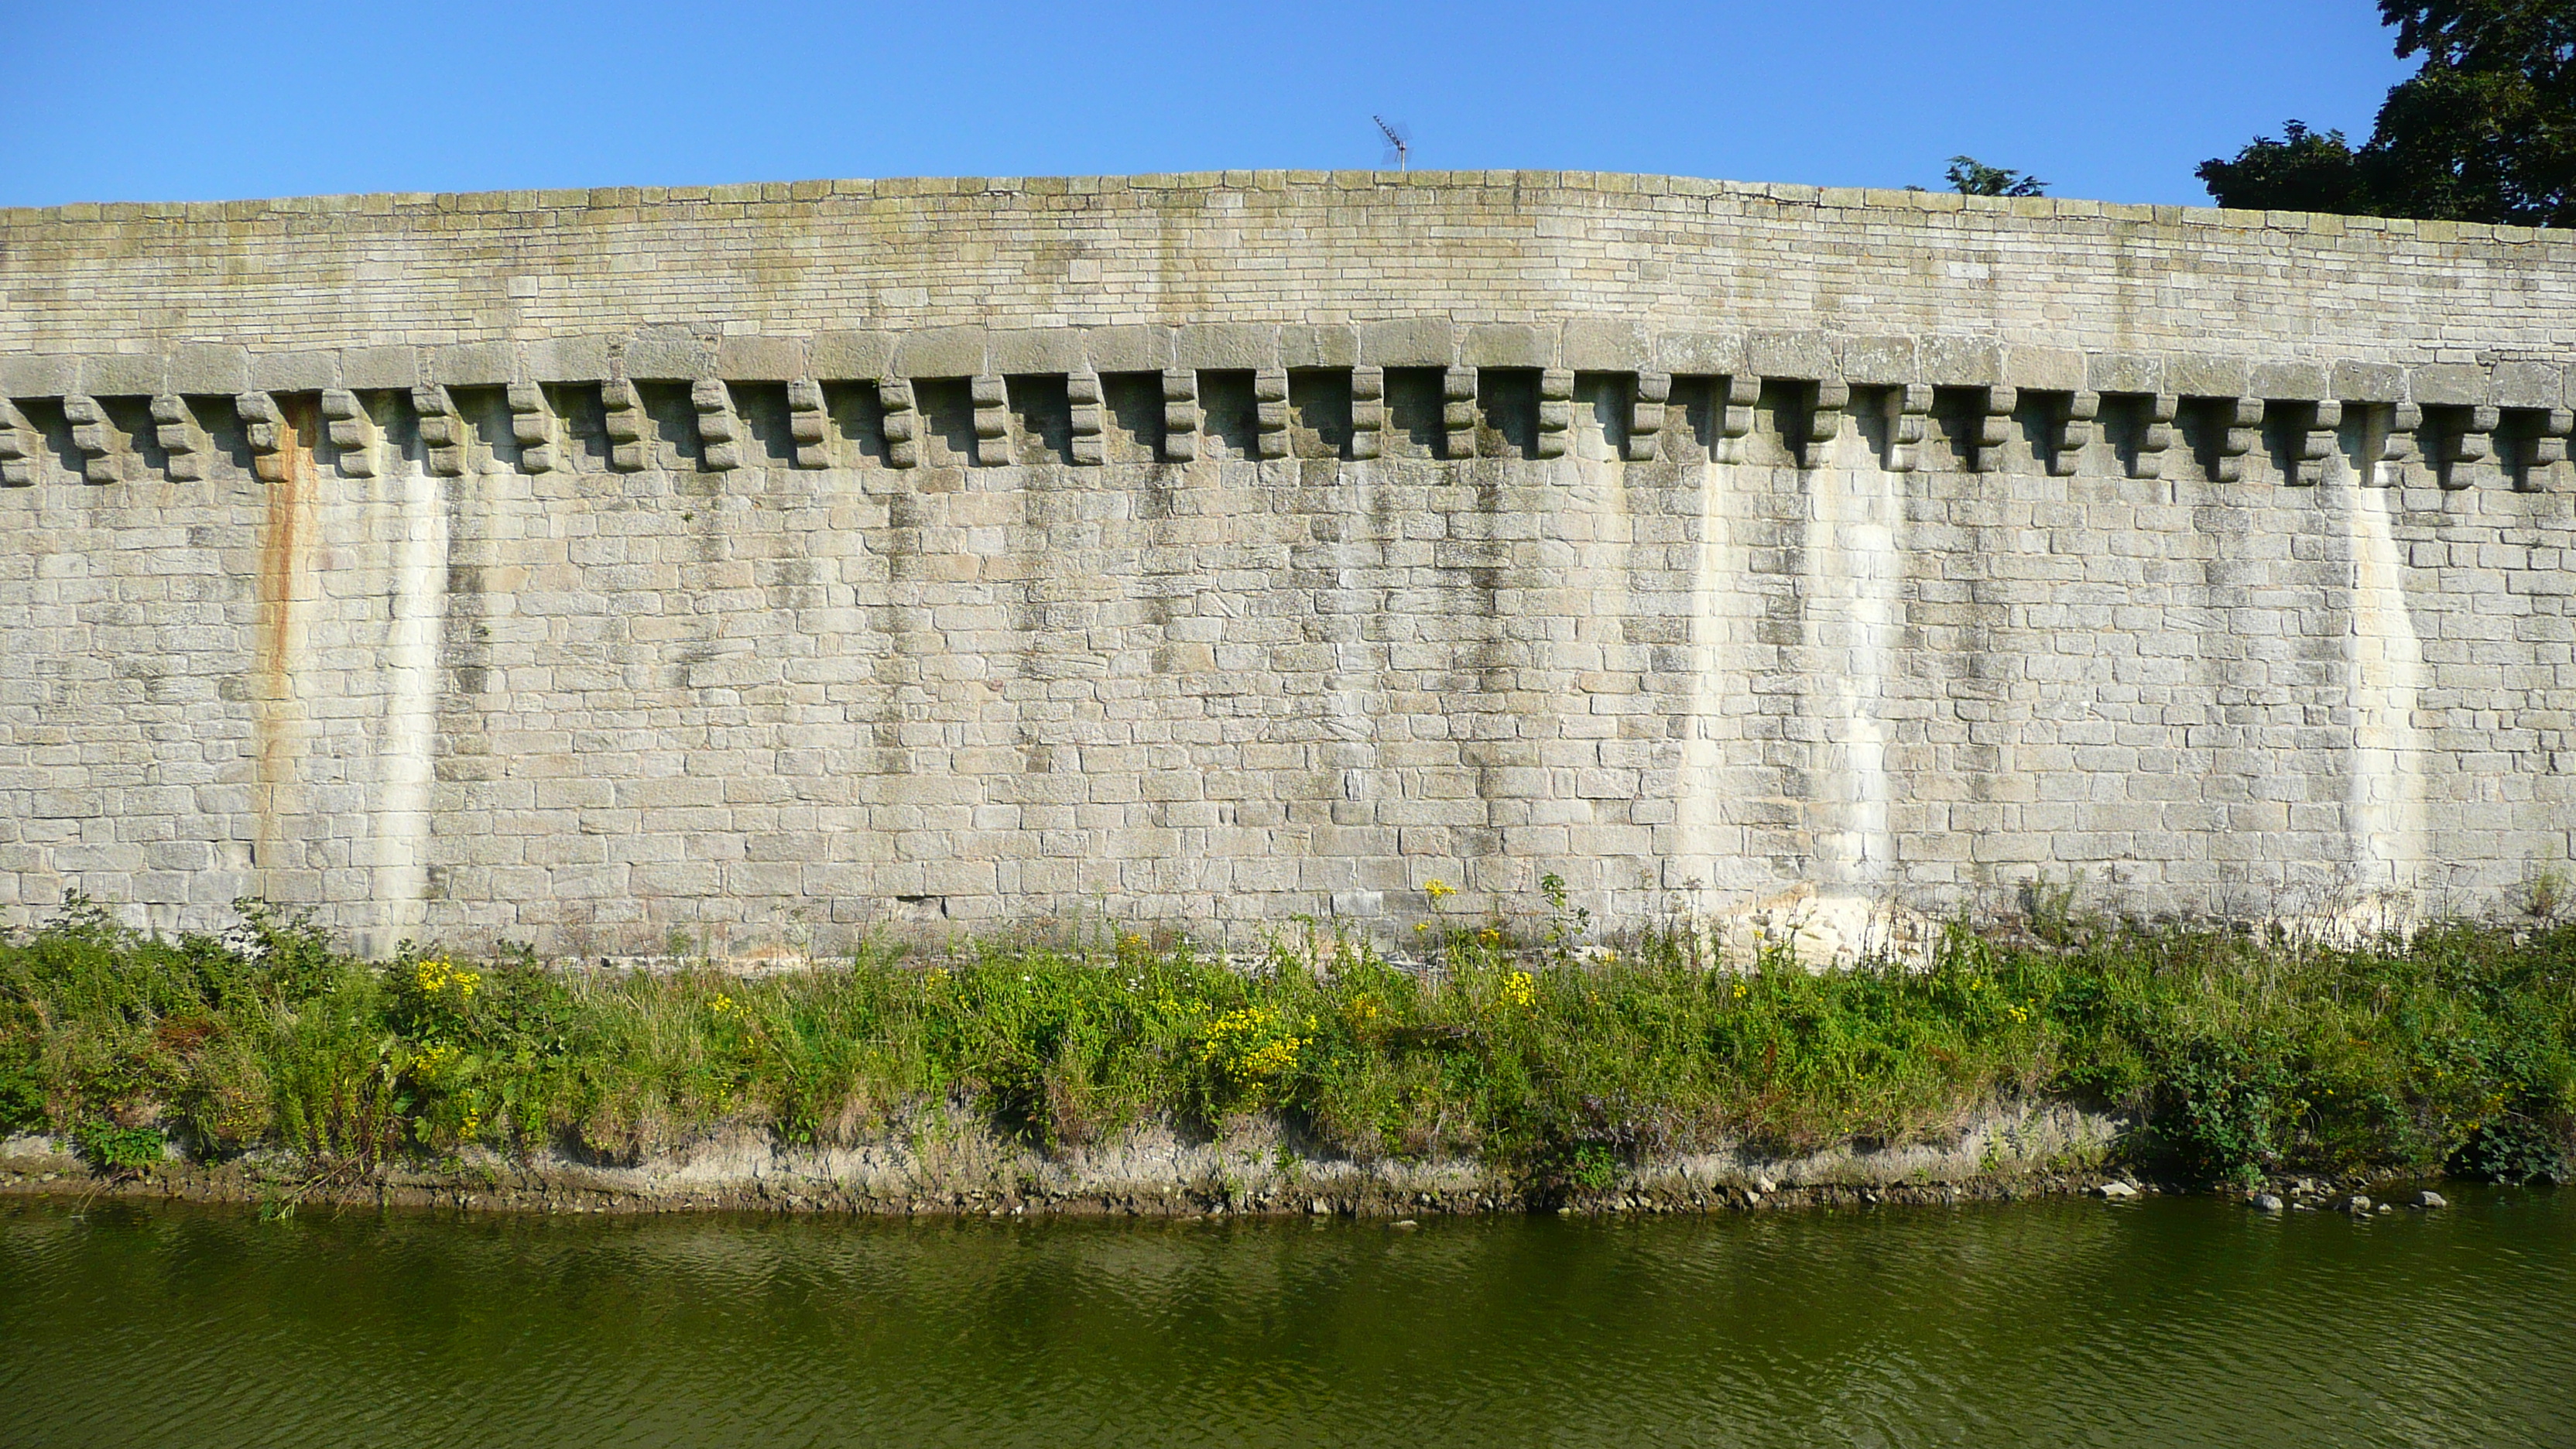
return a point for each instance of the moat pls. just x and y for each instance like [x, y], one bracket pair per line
[2168, 1321]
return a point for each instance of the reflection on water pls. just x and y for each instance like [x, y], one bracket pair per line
[2166, 1322]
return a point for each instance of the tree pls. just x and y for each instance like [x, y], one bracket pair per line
[2484, 131]
[1971, 177]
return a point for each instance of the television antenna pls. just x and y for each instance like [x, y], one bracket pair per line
[1399, 142]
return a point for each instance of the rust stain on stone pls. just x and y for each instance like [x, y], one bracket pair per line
[283, 546]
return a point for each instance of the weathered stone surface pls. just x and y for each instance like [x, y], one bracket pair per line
[675, 603]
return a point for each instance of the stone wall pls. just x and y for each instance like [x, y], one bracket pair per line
[768, 563]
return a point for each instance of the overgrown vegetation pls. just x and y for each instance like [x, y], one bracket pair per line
[1523, 1043]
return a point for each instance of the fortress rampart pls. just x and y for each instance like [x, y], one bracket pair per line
[766, 562]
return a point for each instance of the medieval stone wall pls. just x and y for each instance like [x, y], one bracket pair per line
[766, 563]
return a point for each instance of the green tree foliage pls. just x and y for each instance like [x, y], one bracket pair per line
[2485, 131]
[1971, 177]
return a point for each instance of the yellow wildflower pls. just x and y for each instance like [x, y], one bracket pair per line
[1519, 990]
[1438, 890]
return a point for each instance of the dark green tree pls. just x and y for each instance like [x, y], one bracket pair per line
[1971, 177]
[2484, 131]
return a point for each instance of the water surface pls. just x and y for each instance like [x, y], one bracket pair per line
[2163, 1322]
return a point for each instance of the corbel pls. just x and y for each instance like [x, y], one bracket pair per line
[2402, 448]
[351, 431]
[532, 423]
[719, 428]
[1270, 413]
[264, 429]
[2549, 451]
[182, 439]
[902, 422]
[809, 423]
[21, 450]
[628, 426]
[1733, 405]
[94, 436]
[1832, 399]
[2156, 439]
[1994, 426]
[1082, 394]
[1555, 411]
[1368, 413]
[992, 399]
[2316, 444]
[1906, 429]
[2244, 433]
[2075, 433]
[1458, 412]
[1646, 416]
[1180, 414]
[2473, 457]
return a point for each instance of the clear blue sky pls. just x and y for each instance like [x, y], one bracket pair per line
[207, 100]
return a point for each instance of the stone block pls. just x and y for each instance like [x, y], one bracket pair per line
[940, 352]
[470, 364]
[1700, 354]
[1806, 356]
[577, 358]
[661, 355]
[1879, 361]
[2288, 381]
[1509, 344]
[851, 356]
[1128, 349]
[1411, 342]
[2049, 369]
[36, 374]
[2374, 382]
[294, 371]
[2523, 385]
[124, 374]
[1607, 344]
[2124, 372]
[1039, 350]
[1324, 345]
[209, 368]
[2448, 384]
[1232, 346]
[760, 359]
[2201, 374]
[1953, 361]
[380, 367]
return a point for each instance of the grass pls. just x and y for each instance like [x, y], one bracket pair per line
[2236, 1057]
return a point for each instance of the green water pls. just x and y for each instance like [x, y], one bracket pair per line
[2165, 1322]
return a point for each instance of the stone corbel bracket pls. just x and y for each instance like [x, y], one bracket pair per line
[351, 431]
[264, 430]
[1270, 412]
[629, 427]
[533, 425]
[2473, 456]
[2548, 469]
[1088, 417]
[21, 449]
[93, 436]
[1828, 405]
[1368, 413]
[719, 426]
[1180, 414]
[1555, 410]
[1646, 416]
[182, 439]
[991, 398]
[2240, 422]
[1994, 420]
[809, 423]
[2075, 433]
[1907, 426]
[901, 422]
[1458, 411]
[2316, 444]
[1734, 401]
